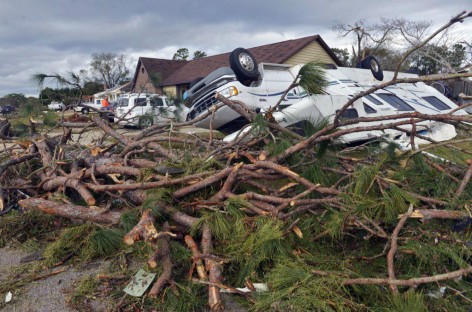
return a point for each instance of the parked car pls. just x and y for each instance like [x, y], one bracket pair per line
[144, 110]
[263, 90]
[57, 106]
[7, 109]
[87, 107]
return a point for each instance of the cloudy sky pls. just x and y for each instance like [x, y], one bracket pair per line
[53, 36]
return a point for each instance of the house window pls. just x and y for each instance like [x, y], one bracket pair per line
[396, 102]
[437, 103]
[373, 100]
[349, 113]
[142, 70]
[369, 110]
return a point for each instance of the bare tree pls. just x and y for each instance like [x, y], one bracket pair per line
[110, 68]
[367, 36]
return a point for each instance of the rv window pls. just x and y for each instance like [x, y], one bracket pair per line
[349, 113]
[369, 110]
[140, 102]
[437, 103]
[396, 102]
[157, 102]
[373, 100]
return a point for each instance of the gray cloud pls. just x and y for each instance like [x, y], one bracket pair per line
[59, 35]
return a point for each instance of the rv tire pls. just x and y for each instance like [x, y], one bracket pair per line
[373, 64]
[244, 65]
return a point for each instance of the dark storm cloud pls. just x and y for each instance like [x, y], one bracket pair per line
[54, 36]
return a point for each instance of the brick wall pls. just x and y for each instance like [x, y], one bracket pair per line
[143, 82]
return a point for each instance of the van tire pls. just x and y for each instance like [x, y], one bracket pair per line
[371, 62]
[244, 65]
[85, 110]
[145, 121]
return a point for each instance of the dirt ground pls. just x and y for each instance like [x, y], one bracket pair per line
[51, 294]
[46, 295]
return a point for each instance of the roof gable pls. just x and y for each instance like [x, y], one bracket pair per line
[164, 67]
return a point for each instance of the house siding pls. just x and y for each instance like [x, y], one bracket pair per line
[312, 52]
[170, 91]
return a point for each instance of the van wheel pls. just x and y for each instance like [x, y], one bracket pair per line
[244, 65]
[85, 110]
[373, 64]
[145, 122]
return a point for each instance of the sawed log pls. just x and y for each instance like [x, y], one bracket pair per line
[70, 211]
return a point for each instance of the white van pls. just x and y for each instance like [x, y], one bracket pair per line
[144, 110]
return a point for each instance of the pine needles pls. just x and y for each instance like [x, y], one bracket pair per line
[87, 241]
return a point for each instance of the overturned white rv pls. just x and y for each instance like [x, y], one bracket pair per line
[263, 90]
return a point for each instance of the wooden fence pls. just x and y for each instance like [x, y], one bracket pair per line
[462, 86]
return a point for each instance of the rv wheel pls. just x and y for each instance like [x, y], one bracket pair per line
[373, 64]
[85, 110]
[244, 65]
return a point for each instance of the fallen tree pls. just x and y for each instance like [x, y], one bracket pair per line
[322, 227]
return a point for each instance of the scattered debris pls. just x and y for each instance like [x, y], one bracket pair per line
[8, 297]
[139, 283]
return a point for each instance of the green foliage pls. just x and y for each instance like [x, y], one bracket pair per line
[30, 108]
[294, 287]
[409, 301]
[419, 257]
[129, 219]
[312, 78]
[199, 54]
[182, 54]
[196, 165]
[92, 87]
[50, 119]
[192, 297]
[314, 173]
[103, 243]
[153, 199]
[19, 227]
[432, 59]
[259, 126]
[277, 147]
[86, 240]
[425, 180]
[334, 223]
[364, 179]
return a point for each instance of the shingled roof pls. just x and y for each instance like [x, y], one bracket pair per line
[180, 72]
[165, 68]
